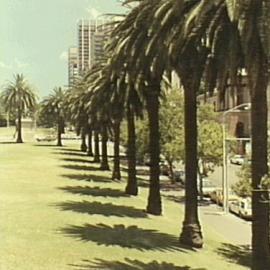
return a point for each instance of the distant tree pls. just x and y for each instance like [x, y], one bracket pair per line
[243, 187]
[210, 149]
[172, 127]
[53, 105]
[18, 97]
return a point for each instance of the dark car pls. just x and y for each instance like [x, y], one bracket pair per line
[164, 168]
[179, 176]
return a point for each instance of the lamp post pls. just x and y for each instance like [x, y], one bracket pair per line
[225, 186]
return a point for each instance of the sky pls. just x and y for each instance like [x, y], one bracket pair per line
[35, 36]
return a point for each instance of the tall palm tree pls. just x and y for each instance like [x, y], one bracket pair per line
[96, 146]
[236, 33]
[74, 104]
[83, 139]
[54, 105]
[18, 96]
[89, 141]
[245, 26]
[129, 45]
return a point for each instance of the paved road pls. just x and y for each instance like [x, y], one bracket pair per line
[232, 170]
[233, 228]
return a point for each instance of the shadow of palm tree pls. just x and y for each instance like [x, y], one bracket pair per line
[94, 191]
[130, 265]
[65, 153]
[142, 172]
[7, 142]
[240, 254]
[80, 167]
[53, 145]
[127, 237]
[105, 209]
[88, 178]
[81, 160]
[72, 150]
[174, 198]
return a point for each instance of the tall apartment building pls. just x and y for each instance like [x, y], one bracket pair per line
[92, 36]
[73, 66]
[101, 37]
[86, 30]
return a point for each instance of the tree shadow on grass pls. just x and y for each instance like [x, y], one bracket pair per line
[53, 145]
[81, 160]
[80, 167]
[88, 178]
[105, 209]
[130, 265]
[126, 237]
[94, 191]
[239, 254]
[72, 150]
[142, 172]
[7, 142]
[65, 153]
[175, 198]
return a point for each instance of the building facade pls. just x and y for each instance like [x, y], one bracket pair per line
[233, 104]
[92, 37]
[73, 66]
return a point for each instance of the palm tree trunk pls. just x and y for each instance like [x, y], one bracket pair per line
[96, 141]
[191, 233]
[190, 70]
[132, 186]
[154, 199]
[83, 138]
[260, 198]
[89, 148]
[59, 132]
[116, 161]
[19, 127]
[104, 155]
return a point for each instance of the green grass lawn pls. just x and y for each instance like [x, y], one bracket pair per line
[58, 211]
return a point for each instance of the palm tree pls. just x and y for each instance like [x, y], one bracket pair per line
[74, 104]
[54, 105]
[236, 34]
[83, 139]
[129, 45]
[89, 143]
[132, 185]
[96, 146]
[18, 96]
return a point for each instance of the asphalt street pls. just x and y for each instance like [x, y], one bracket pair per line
[232, 170]
[233, 228]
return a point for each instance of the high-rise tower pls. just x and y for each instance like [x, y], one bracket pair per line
[73, 69]
[92, 36]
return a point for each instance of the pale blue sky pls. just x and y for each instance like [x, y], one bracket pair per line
[36, 34]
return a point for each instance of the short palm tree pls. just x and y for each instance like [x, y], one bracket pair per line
[54, 105]
[19, 97]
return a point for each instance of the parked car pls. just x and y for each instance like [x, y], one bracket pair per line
[231, 197]
[241, 207]
[46, 138]
[164, 168]
[215, 195]
[207, 187]
[237, 159]
[179, 176]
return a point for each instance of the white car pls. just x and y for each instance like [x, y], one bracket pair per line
[207, 187]
[241, 207]
[46, 138]
[237, 160]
